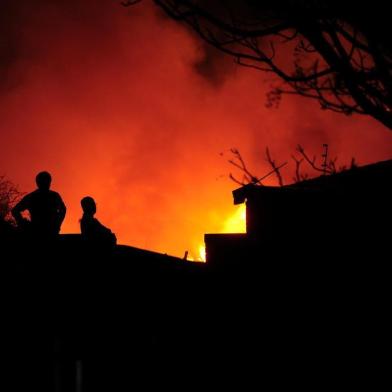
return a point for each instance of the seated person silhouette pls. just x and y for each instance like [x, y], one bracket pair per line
[93, 230]
[47, 209]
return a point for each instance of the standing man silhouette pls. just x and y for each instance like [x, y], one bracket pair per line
[47, 209]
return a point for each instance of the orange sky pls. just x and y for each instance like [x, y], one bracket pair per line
[128, 107]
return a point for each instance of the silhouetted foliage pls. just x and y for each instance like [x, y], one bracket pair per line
[323, 165]
[332, 51]
[247, 177]
[9, 196]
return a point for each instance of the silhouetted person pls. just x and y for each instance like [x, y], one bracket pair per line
[91, 228]
[47, 209]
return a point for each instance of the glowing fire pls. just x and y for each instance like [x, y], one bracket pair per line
[132, 140]
[202, 253]
[236, 223]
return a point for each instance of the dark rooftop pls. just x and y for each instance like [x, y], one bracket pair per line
[373, 175]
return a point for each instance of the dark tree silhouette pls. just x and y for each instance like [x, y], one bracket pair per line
[9, 196]
[336, 52]
[323, 165]
[249, 178]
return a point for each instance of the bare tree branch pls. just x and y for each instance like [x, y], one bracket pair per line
[239, 163]
[298, 175]
[337, 58]
[327, 167]
[247, 176]
[275, 168]
[312, 162]
[128, 3]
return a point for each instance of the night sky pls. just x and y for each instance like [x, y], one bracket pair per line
[127, 106]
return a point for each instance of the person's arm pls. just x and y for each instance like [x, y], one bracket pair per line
[82, 227]
[19, 208]
[86, 227]
[61, 210]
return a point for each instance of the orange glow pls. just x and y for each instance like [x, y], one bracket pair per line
[127, 106]
[201, 256]
[237, 222]
[202, 253]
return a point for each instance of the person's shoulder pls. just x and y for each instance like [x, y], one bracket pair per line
[27, 201]
[86, 218]
[55, 194]
[90, 221]
[97, 223]
[30, 196]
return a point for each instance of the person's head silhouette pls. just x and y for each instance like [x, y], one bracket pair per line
[88, 205]
[43, 181]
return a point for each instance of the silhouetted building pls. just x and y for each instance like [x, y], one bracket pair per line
[114, 321]
[101, 320]
[326, 216]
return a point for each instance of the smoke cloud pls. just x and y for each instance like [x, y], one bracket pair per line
[129, 107]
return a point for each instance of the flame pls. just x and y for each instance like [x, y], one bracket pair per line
[235, 223]
[202, 253]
